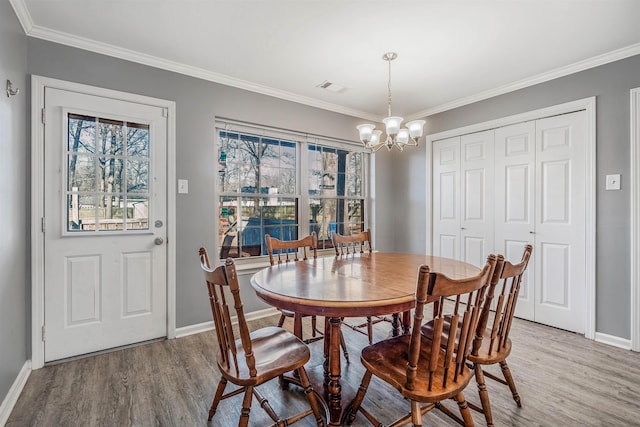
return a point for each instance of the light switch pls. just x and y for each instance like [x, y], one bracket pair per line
[183, 186]
[613, 182]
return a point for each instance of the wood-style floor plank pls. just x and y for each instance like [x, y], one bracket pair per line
[563, 380]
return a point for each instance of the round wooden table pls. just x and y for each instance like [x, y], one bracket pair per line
[348, 286]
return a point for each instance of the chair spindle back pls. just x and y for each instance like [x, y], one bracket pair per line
[219, 281]
[282, 248]
[456, 310]
[505, 283]
[355, 243]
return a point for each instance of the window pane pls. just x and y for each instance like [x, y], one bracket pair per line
[82, 134]
[228, 163]
[81, 173]
[138, 213]
[110, 174]
[137, 176]
[82, 212]
[110, 215]
[111, 137]
[137, 140]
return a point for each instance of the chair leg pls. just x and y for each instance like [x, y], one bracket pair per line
[416, 414]
[218, 396]
[314, 326]
[512, 385]
[464, 409]
[313, 402]
[344, 347]
[357, 401]
[484, 395]
[246, 407]
[370, 329]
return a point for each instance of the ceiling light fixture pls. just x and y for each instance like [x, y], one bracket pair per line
[396, 136]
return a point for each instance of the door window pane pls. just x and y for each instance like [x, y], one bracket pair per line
[110, 191]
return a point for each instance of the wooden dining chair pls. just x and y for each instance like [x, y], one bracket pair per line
[284, 251]
[289, 250]
[254, 358]
[495, 323]
[353, 244]
[425, 371]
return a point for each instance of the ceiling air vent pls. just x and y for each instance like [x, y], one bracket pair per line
[331, 87]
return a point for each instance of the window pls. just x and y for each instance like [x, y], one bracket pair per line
[286, 185]
[107, 180]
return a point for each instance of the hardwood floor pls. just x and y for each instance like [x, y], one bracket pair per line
[563, 380]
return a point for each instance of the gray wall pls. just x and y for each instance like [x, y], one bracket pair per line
[14, 201]
[198, 102]
[610, 84]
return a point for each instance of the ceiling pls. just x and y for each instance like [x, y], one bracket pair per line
[450, 52]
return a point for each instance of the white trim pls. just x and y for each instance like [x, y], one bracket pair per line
[11, 398]
[67, 39]
[38, 84]
[587, 104]
[586, 64]
[614, 341]
[209, 326]
[634, 251]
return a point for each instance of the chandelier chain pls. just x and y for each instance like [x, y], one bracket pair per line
[389, 90]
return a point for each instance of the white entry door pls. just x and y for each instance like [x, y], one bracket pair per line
[105, 208]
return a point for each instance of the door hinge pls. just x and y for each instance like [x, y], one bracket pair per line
[43, 116]
[42, 224]
[43, 334]
[165, 112]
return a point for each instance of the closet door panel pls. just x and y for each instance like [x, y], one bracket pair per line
[514, 197]
[477, 211]
[446, 198]
[560, 221]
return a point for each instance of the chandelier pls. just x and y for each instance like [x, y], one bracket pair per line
[396, 136]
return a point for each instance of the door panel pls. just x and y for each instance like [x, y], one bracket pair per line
[105, 214]
[476, 224]
[446, 194]
[560, 223]
[514, 197]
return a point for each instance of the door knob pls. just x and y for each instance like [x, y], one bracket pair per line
[158, 241]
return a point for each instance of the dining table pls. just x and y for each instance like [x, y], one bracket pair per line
[353, 285]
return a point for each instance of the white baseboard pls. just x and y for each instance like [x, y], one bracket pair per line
[614, 341]
[14, 392]
[208, 326]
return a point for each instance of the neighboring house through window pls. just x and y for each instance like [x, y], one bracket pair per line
[287, 185]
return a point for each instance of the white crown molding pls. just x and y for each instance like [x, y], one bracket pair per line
[36, 31]
[24, 17]
[67, 39]
[596, 61]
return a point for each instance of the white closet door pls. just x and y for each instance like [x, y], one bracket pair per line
[560, 221]
[446, 198]
[515, 151]
[477, 212]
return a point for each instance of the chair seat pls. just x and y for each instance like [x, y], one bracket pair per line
[388, 360]
[276, 352]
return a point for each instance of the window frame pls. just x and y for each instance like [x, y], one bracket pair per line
[302, 141]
